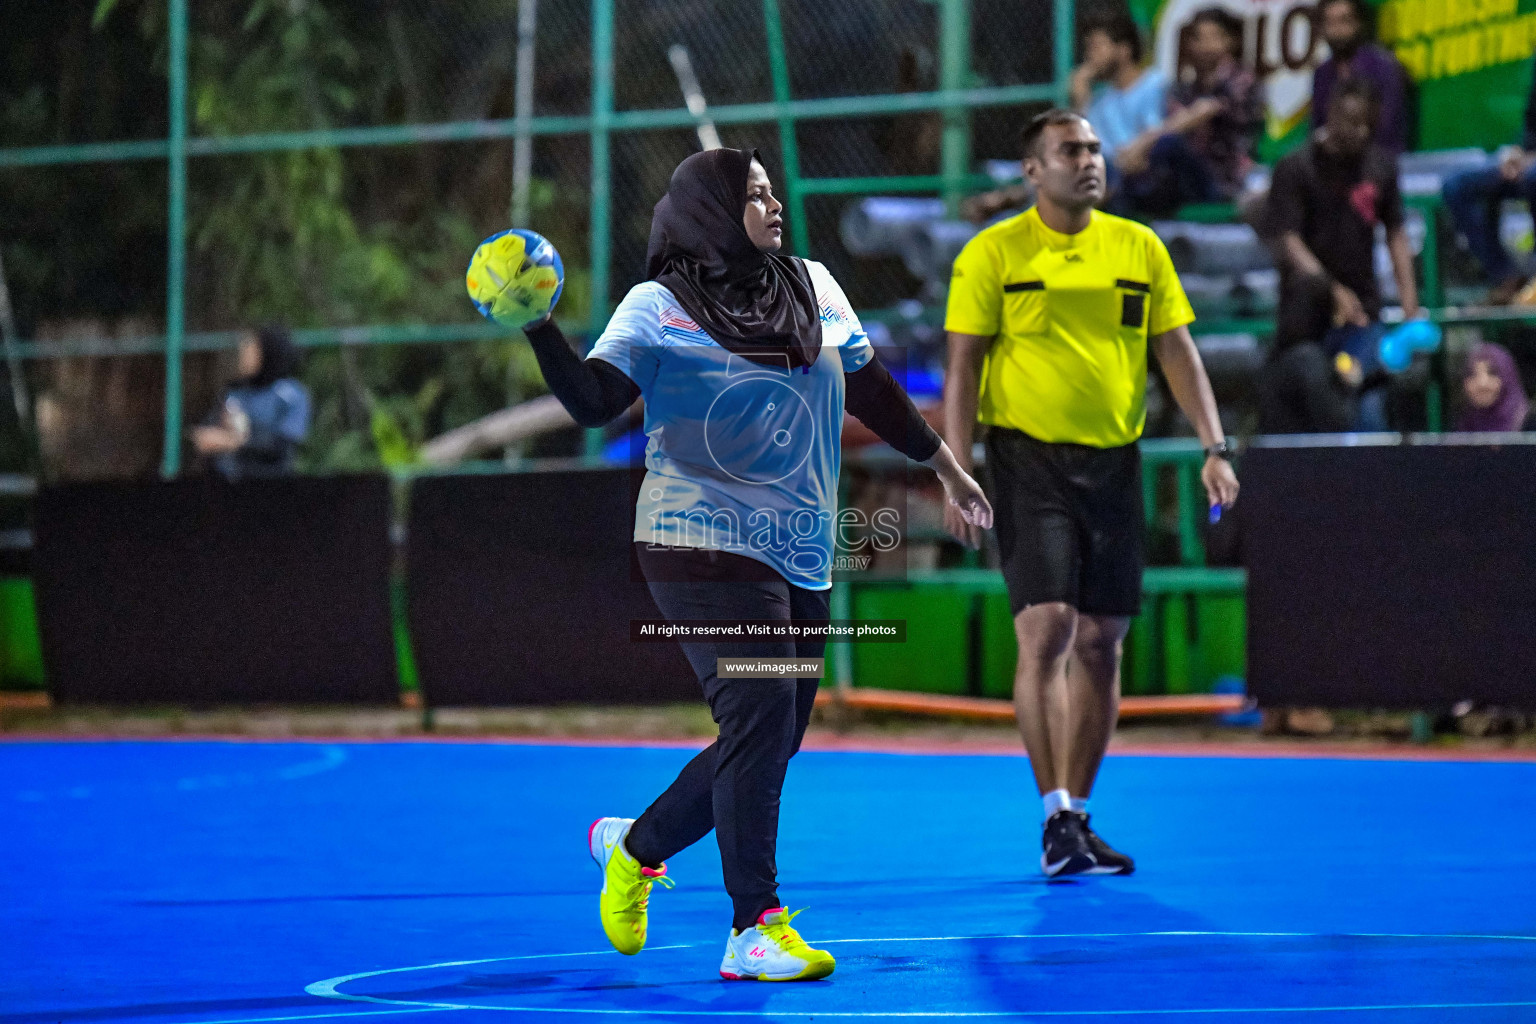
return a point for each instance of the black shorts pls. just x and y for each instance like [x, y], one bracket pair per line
[1069, 522]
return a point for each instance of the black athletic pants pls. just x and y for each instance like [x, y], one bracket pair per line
[733, 785]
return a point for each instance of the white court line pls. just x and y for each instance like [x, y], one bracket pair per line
[322, 1016]
[1155, 935]
[331, 757]
[328, 987]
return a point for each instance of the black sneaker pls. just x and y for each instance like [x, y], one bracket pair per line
[1107, 859]
[1065, 846]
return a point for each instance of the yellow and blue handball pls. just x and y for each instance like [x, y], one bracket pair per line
[515, 278]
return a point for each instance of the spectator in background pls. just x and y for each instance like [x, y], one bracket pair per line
[265, 415]
[1475, 198]
[1495, 398]
[1204, 149]
[1324, 204]
[1348, 28]
[910, 143]
[1124, 101]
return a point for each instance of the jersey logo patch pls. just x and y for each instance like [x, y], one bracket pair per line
[834, 313]
[672, 318]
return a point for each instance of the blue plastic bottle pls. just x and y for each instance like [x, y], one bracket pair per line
[1397, 346]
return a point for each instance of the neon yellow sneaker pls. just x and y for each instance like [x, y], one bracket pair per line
[626, 885]
[773, 951]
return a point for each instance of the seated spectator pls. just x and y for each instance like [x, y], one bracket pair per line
[1325, 201]
[1495, 398]
[265, 415]
[1353, 53]
[1123, 100]
[1204, 149]
[1475, 199]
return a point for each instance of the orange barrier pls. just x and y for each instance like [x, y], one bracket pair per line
[993, 710]
[25, 699]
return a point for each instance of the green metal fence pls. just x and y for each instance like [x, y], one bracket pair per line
[813, 105]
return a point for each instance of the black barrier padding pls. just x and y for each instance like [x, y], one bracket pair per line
[202, 591]
[1391, 577]
[522, 587]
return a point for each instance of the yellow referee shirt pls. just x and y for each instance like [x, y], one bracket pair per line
[1070, 316]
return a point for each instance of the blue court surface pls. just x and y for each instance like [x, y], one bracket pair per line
[229, 881]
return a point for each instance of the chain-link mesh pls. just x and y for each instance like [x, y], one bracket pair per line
[328, 237]
[859, 50]
[52, 90]
[726, 42]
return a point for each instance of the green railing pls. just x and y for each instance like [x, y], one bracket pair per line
[1192, 627]
[955, 99]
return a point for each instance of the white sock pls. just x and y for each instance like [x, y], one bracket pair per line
[1079, 804]
[1056, 800]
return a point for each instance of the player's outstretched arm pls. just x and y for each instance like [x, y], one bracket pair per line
[593, 391]
[1191, 388]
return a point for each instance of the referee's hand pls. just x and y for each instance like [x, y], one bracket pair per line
[1220, 482]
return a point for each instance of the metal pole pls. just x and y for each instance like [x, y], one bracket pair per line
[842, 652]
[602, 199]
[1064, 18]
[13, 357]
[522, 142]
[778, 66]
[693, 96]
[878, 105]
[175, 300]
[954, 73]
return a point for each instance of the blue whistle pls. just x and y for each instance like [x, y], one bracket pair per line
[1215, 514]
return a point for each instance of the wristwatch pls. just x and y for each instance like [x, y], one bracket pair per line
[1219, 450]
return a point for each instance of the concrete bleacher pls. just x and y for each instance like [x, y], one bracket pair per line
[1226, 268]
[1227, 271]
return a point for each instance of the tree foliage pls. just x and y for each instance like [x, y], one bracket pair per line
[310, 238]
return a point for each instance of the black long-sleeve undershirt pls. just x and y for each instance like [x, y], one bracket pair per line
[594, 392]
[877, 401]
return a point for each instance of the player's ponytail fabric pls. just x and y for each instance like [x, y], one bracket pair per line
[758, 305]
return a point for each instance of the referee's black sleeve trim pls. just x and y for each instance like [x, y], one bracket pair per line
[1134, 286]
[877, 401]
[1025, 286]
[593, 391]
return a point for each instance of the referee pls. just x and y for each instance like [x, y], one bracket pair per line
[1050, 317]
